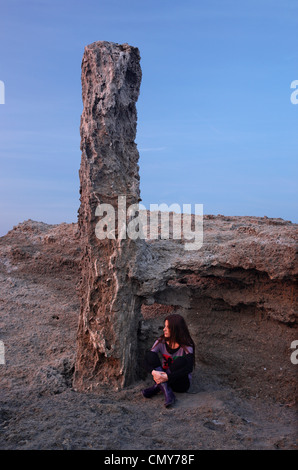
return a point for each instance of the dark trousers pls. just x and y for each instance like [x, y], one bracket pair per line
[179, 384]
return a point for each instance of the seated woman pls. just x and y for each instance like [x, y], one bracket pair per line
[177, 350]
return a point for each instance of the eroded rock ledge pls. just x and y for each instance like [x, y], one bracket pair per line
[243, 261]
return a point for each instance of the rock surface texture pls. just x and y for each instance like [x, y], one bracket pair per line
[107, 337]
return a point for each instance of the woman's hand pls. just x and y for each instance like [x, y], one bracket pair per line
[159, 377]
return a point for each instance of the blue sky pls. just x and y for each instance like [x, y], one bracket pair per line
[216, 125]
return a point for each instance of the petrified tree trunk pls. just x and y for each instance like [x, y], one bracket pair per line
[109, 318]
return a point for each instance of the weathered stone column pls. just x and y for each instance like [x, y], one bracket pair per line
[109, 317]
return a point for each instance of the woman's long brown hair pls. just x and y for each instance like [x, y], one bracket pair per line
[179, 332]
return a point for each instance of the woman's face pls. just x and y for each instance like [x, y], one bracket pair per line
[166, 330]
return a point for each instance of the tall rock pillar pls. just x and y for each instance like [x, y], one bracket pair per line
[109, 317]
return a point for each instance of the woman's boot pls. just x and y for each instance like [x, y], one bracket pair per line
[151, 391]
[154, 390]
[168, 393]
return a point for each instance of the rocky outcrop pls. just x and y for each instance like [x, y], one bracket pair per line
[248, 261]
[238, 294]
[107, 336]
[236, 344]
[241, 280]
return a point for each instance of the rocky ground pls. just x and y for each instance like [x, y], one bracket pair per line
[39, 408]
